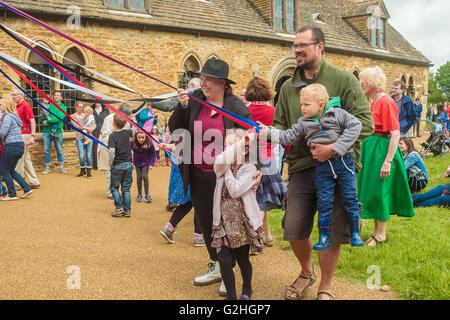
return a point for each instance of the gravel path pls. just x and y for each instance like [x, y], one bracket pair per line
[66, 227]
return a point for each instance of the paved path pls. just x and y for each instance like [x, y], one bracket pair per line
[67, 223]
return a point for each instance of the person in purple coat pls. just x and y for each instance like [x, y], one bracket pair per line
[144, 157]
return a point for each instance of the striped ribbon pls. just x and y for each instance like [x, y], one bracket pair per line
[45, 108]
[246, 123]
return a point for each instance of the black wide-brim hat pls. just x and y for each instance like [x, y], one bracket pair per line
[216, 68]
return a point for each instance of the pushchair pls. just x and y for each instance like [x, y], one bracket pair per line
[438, 142]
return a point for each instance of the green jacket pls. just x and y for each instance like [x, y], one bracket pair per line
[54, 120]
[339, 83]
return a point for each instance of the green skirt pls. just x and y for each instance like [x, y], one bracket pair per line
[382, 197]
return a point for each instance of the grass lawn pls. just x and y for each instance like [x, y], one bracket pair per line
[415, 260]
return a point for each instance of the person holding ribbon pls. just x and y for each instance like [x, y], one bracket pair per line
[10, 132]
[57, 140]
[102, 153]
[206, 128]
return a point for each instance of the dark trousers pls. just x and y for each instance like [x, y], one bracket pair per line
[180, 212]
[142, 176]
[10, 157]
[94, 155]
[202, 193]
[227, 260]
[338, 172]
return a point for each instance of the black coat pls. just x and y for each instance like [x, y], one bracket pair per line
[184, 118]
[99, 118]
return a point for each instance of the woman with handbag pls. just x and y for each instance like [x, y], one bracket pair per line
[416, 171]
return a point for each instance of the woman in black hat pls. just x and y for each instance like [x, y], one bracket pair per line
[198, 173]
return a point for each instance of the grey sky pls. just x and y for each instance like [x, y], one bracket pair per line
[425, 24]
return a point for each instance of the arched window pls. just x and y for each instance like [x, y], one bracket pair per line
[282, 72]
[190, 65]
[41, 82]
[70, 95]
[356, 73]
[404, 79]
[410, 91]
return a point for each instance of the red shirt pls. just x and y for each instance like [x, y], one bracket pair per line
[25, 112]
[385, 115]
[207, 129]
[264, 113]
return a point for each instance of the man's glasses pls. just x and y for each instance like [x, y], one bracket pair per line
[302, 46]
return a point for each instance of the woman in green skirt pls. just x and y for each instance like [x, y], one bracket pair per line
[382, 183]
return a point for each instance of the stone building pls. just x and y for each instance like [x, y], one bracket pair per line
[169, 38]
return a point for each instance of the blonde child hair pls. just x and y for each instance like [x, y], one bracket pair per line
[318, 92]
[88, 110]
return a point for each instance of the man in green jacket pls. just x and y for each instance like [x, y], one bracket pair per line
[48, 136]
[308, 47]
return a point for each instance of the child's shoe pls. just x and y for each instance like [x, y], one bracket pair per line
[148, 199]
[356, 240]
[324, 242]
[157, 163]
[118, 212]
[139, 198]
[198, 240]
[126, 214]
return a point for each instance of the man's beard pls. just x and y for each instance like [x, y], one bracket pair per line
[306, 64]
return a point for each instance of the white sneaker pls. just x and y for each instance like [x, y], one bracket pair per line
[26, 194]
[211, 276]
[222, 290]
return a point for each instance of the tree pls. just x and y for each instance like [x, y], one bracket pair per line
[434, 94]
[443, 79]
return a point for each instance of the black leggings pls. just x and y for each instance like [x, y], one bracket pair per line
[142, 175]
[202, 193]
[227, 260]
[180, 212]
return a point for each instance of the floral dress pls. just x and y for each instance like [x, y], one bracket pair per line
[234, 229]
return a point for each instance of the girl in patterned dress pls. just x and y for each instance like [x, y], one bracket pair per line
[237, 222]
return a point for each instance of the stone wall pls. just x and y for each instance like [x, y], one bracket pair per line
[161, 54]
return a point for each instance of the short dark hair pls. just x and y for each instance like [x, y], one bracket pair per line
[400, 83]
[259, 89]
[119, 122]
[440, 108]
[317, 34]
[60, 92]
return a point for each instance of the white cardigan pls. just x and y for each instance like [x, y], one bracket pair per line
[239, 187]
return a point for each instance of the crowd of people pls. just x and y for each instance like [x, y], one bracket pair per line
[346, 159]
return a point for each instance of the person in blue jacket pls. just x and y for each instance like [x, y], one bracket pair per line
[406, 109]
[419, 109]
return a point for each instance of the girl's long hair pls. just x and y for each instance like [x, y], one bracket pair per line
[137, 146]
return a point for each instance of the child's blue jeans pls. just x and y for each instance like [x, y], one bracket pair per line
[122, 176]
[336, 172]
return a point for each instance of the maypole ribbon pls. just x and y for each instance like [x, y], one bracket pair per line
[43, 94]
[116, 84]
[4, 57]
[37, 102]
[246, 123]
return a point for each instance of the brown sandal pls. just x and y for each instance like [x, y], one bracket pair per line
[328, 293]
[312, 278]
